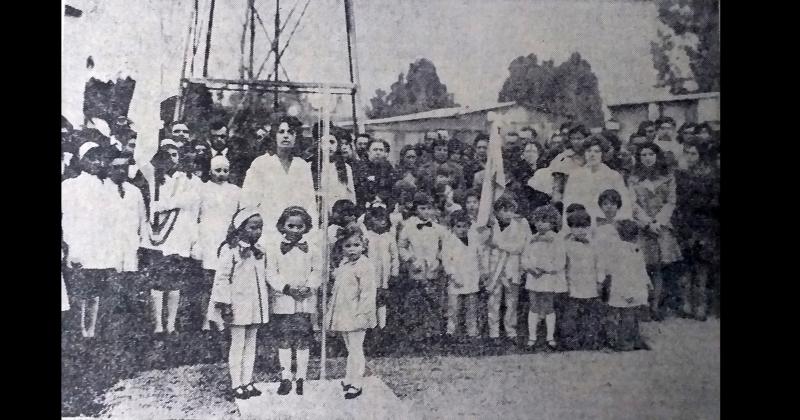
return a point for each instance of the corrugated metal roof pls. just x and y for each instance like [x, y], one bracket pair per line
[664, 98]
[434, 114]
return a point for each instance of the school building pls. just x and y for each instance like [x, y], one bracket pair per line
[696, 107]
[463, 123]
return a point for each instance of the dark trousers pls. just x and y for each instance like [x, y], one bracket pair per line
[623, 328]
[582, 323]
[122, 320]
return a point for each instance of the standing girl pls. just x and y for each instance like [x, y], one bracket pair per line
[383, 253]
[654, 196]
[544, 260]
[240, 295]
[294, 268]
[352, 304]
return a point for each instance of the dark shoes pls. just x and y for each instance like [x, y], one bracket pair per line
[298, 387]
[237, 393]
[251, 390]
[346, 387]
[353, 393]
[285, 388]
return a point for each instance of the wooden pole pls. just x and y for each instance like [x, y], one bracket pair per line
[352, 57]
[275, 43]
[208, 39]
[252, 34]
[179, 103]
[323, 186]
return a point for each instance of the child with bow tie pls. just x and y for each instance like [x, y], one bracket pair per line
[294, 269]
[240, 296]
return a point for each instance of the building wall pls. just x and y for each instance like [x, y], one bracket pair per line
[462, 127]
[629, 117]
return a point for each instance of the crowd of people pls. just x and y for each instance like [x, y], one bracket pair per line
[592, 227]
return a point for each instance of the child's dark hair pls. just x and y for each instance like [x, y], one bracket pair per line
[446, 170]
[422, 198]
[439, 143]
[374, 214]
[610, 195]
[473, 192]
[342, 235]
[344, 208]
[546, 213]
[459, 216]
[572, 208]
[628, 230]
[506, 202]
[294, 211]
[579, 219]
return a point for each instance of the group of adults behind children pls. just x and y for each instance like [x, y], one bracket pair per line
[591, 226]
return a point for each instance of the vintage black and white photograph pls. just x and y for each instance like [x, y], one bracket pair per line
[390, 209]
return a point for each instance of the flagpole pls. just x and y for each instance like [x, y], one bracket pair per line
[323, 181]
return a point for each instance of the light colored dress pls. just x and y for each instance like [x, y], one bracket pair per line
[463, 262]
[629, 277]
[548, 253]
[352, 302]
[241, 283]
[219, 202]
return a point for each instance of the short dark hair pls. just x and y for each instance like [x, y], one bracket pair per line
[702, 147]
[480, 137]
[454, 146]
[344, 207]
[473, 192]
[377, 140]
[546, 213]
[365, 135]
[580, 128]
[531, 129]
[579, 219]
[575, 207]
[406, 149]
[644, 124]
[459, 216]
[422, 198]
[596, 140]
[294, 211]
[506, 202]
[446, 170]
[610, 195]
[665, 120]
[628, 230]
[439, 143]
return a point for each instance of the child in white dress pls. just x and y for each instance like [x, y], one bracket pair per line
[240, 295]
[352, 303]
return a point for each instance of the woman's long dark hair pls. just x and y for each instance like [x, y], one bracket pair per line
[338, 157]
[659, 169]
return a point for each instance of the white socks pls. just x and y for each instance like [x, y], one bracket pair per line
[382, 317]
[550, 321]
[302, 363]
[173, 299]
[533, 322]
[285, 360]
[157, 305]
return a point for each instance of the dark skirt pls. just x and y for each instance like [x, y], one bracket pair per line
[174, 272]
[89, 283]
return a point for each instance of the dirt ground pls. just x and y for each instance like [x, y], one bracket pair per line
[678, 379]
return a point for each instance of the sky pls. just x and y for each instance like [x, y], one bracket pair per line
[471, 42]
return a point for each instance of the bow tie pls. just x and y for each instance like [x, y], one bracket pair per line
[218, 153]
[422, 225]
[287, 246]
[503, 226]
[247, 250]
[465, 240]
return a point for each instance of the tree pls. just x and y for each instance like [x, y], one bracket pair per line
[569, 90]
[417, 91]
[686, 54]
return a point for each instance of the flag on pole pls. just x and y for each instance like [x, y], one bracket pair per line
[494, 175]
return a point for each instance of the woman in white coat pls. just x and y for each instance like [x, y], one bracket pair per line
[275, 182]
